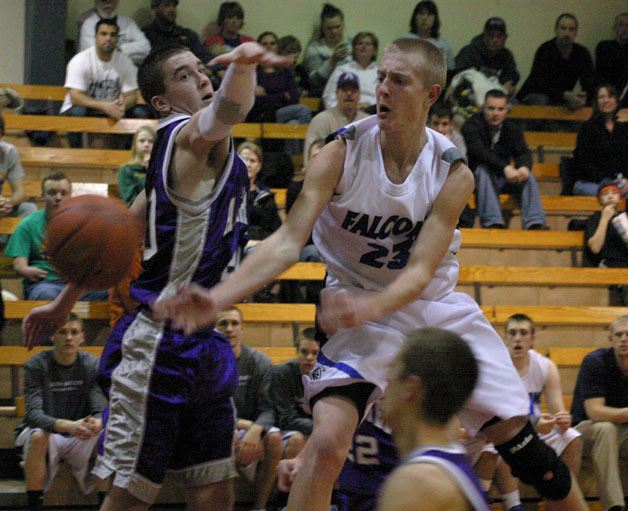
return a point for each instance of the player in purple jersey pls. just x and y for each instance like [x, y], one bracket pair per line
[419, 403]
[170, 393]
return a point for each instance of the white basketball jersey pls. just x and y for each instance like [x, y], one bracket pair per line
[535, 380]
[366, 233]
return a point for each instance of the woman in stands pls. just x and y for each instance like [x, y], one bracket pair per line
[331, 49]
[132, 175]
[602, 145]
[425, 24]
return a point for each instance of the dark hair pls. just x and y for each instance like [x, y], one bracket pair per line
[150, 76]
[446, 367]
[330, 11]
[495, 93]
[362, 35]
[288, 45]
[565, 15]
[108, 21]
[518, 318]
[430, 7]
[54, 176]
[264, 34]
[440, 110]
[229, 10]
[72, 316]
[596, 107]
[1, 126]
[307, 334]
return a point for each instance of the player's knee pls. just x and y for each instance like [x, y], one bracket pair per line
[532, 461]
[38, 443]
[330, 449]
[273, 444]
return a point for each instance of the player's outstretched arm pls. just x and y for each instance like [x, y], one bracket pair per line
[342, 309]
[194, 307]
[41, 322]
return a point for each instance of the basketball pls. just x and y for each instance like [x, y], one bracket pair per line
[91, 240]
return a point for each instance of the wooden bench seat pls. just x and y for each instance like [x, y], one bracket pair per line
[561, 315]
[549, 113]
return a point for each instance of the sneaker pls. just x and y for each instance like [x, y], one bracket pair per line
[518, 507]
[537, 227]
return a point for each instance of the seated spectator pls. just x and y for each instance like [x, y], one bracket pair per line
[289, 45]
[345, 112]
[441, 120]
[425, 24]
[9, 98]
[230, 21]
[606, 236]
[261, 207]
[329, 50]
[101, 81]
[164, 31]
[63, 413]
[286, 392]
[132, 175]
[611, 58]
[131, 40]
[26, 245]
[601, 150]
[558, 64]
[600, 413]
[493, 143]
[487, 53]
[11, 170]
[363, 65]
[540, 377]
[258, 443]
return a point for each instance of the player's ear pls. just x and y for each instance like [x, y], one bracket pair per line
[160, 104]
[413, 389]
[434, 94]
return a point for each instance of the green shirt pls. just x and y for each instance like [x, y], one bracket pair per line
[131, 180]
[27, 241]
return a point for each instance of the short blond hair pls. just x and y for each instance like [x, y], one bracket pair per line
[432, 61]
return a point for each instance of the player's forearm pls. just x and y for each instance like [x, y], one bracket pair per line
[404, 290]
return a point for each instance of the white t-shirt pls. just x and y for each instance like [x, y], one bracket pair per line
[131, 40]
[104, 81]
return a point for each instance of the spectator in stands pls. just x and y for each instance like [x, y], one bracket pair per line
[63, 413]
[493, 143]
[332, 119]
[487, 53]
[441, 120]
[601, 150]
[363, 65]
[230, 21]
[261, 207]
[540, 377]
[164, 31]
[425, 24]
[329, 50]
[131, 40]
[558, 64]
[258, 442]
[101, 81]
[12, 171]
[611, 58]
[600, 412]
[606, 236]
[26, 245]
[286, 391]
[9, 98]
[289, 45]
[132, 175]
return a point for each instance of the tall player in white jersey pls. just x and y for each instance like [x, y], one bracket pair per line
[387, 196]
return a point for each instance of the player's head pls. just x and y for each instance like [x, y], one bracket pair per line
[253, 158]
[173, 79]
[106, 35]
[606, 101]
[307, 350]
[441, 119]
[425, 17]
[619, 336]
[496, 107]
[69, 337]
[142, 145]
[55, 188]
[608, 193]
[519, 335]
[230, 324]
[430, 379]
[411, 75]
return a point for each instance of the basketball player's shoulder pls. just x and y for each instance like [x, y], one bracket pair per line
[356, 130]
[443, 148]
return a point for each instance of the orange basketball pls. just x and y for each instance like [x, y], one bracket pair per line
[91, 240]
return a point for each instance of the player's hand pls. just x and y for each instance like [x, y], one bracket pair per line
[94, 424]
[251, 447]
[563, 420]
[545, 424]
[40, 323]
[251, 53]
[80, 429]
[287, 473]
[192, 308]
[341, 308]
[34, 274]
